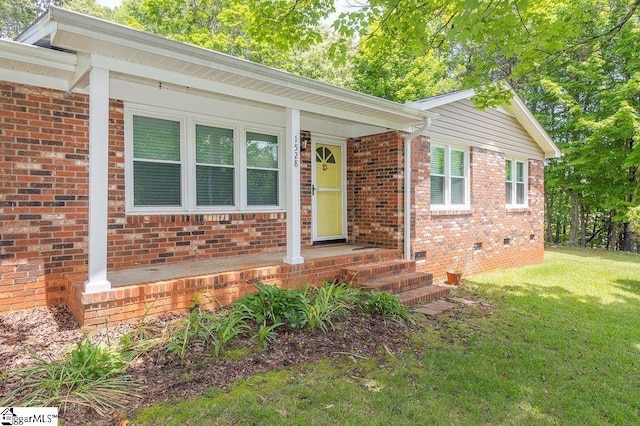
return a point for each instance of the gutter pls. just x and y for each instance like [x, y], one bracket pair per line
[407, 185]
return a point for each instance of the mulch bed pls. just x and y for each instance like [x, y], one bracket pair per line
[51, 333]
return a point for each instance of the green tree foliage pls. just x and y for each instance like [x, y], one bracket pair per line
[225, 26]
[89, 7]
[590, 104]
[403, 77]
[16, 15]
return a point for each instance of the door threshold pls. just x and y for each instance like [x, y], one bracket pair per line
[329, 242]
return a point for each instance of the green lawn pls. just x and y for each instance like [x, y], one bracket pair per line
[561, 345]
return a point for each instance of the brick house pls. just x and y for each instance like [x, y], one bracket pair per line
[139, 172]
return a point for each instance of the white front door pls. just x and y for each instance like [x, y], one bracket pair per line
[328, 191]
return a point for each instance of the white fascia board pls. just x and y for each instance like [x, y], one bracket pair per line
[151, 73]
[81, 72]
[33, 55]
[151, 43]
[533, 126]
[436, 101]
[33, 80]
[41, 28]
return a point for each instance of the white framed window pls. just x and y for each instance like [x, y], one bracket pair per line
[516, 183]
[157, 162]
[215, 166]
[177, 162]
[263, 172]
[449, 177]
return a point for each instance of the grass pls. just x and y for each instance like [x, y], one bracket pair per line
[561, 345]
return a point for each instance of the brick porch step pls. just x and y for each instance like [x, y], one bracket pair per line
[399, 283]
[423, 295]
[397, 277]
[364, 273]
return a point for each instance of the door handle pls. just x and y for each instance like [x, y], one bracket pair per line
[313, 190]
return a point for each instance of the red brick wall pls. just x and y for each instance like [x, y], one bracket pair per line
[43, 193]
[375, 190]
[305, 193]
[448, 237]
[44, 199]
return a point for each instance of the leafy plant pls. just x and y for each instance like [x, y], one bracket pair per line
[93, 375]
[267, 335]
[196, 330]
[326, 302]
[96, 361]
[271, 305]
[201, 329]
[386, 305]
[228, 327]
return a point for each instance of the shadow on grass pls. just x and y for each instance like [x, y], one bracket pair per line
[632, 286]
[547, 355]
[597, 253]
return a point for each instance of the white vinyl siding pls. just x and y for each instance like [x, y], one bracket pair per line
[449, 177]
[181, 163]
[515, 183]
[461, 123]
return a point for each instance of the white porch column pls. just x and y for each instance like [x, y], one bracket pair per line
[294, 255]
[98, 179]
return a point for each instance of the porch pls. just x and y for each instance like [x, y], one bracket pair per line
[157, 289]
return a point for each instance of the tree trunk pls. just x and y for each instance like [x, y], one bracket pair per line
[628, 237]
[548, 201]
[575, 218]
[583, 228]
[613, 236]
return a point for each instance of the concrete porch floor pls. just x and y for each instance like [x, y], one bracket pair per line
[151, 273]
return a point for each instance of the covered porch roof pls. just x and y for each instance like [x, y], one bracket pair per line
[81, 42]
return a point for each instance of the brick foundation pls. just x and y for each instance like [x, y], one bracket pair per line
[130, 303]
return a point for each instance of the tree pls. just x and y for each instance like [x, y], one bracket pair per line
[16, 15]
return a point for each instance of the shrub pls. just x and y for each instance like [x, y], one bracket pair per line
[272, 305]
[93, 375]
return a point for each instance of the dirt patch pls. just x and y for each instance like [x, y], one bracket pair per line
[51, 334]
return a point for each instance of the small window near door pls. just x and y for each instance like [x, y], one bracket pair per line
[324, 155]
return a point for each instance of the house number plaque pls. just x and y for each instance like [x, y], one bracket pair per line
[296, 152]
